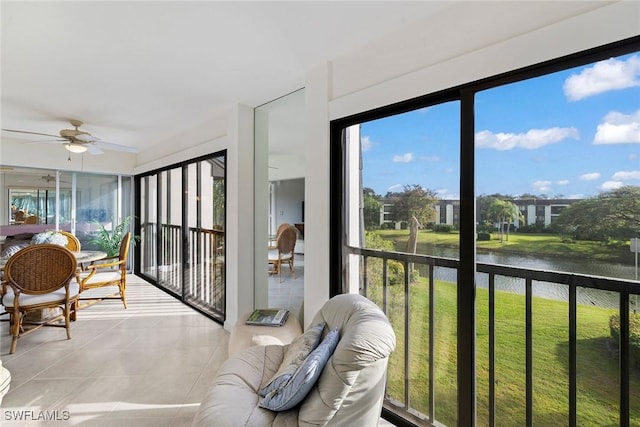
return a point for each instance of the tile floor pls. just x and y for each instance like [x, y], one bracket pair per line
[150, 364]
[289, 293]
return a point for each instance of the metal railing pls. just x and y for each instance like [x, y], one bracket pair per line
[403, 409]
[194, 271]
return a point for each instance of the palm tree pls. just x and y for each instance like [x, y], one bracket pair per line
[505, 213]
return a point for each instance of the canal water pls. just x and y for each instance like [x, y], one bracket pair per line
[543, 289]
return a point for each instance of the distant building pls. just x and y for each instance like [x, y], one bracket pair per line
[534, 211]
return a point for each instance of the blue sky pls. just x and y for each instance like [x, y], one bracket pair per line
[570, 134]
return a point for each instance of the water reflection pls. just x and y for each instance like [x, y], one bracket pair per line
[541, 289]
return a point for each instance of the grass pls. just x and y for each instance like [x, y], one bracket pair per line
[539, 244]
[598, 385]
[597, 370]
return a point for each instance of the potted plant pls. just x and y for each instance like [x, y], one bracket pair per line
[109, 240]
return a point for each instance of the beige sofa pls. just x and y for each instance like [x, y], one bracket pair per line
[349, 392]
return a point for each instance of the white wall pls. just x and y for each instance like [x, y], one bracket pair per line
[289, 195]
[471, 41]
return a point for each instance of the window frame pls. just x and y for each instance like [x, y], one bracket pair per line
[465, 93]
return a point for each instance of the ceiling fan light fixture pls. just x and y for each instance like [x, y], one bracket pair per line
[75, 148]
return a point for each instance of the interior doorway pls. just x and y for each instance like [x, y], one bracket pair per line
[280, 166]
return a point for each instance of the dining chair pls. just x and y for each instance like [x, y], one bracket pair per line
[20, 216]
[281, 227]
[283, 251]
[39, 277]
[31, 219]
[109, 271]
[73, 244]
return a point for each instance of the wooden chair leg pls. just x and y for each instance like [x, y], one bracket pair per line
[67, 319]
[74, 310]
[293, 272]
[123, 295]
[16, 320]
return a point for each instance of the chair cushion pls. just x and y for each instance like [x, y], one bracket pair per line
[106, 276]
[294, 356]
[273, 255]
[26, 300]
[304, 378]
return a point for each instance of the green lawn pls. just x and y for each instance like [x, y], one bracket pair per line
[598, 386]
[540, 244]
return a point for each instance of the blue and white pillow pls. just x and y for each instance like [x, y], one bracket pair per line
[295, 354]
[13, 249]
[299, 385]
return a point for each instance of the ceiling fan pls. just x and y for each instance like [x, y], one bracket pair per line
[51, 178]
[79, 141]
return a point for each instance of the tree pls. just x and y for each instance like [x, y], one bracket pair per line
[505, 213]
[483, 202]
[614, 214]
[413, 201]
[370, 209]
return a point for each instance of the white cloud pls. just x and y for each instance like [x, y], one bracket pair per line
[625, 175]
[534, 138]
[395, 188]
[611, 185]
[563, 182]
[633, 156]
[603, 76]
[619, 128]
[575, 196]
[542, 186]
[365, 143]
[404, 158]
[443, 193]
[590, 176]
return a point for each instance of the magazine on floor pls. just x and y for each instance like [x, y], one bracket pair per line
[268, 317]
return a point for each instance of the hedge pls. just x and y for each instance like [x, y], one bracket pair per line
[634, 334]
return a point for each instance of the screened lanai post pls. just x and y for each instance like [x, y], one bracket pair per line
[412, 242]
[466, 275]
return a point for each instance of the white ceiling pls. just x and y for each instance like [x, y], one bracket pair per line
[138, 73]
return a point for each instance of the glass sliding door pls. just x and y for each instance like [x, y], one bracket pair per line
[170, 233]
[147, 216]
[183, 251]
[205, 187]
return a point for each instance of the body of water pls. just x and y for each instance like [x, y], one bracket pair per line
[542, 289]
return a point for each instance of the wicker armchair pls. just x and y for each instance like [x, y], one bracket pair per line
[73, 244]
[110, 271]
[272, 241]
[283, 252]
[31, 219]
[35, 278]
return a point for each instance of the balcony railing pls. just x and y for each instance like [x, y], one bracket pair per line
[193, 271]
[378, 269]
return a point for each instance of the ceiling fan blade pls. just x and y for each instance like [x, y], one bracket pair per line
[46, 141]
[30, 133]
[92, 149]
[87, 138]
[115, 147]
